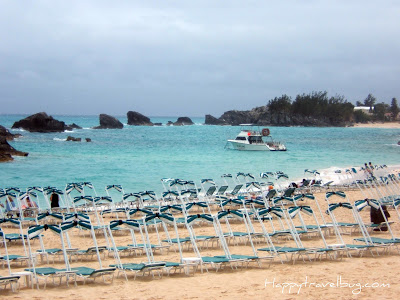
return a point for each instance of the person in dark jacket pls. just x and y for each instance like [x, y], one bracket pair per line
[377, 217]
[54, 200]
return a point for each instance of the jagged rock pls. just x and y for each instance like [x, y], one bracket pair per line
[88, 140]
[73, 139]
[170, 123]
[157, 124]
[210, 120]
[236, 117]
[109, 122]
[74, 126]
[183, 121]
[137, 119]
[40, 122]
[7, 134]
[7, 151]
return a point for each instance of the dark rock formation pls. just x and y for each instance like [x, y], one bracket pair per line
[263, 117]
[40, 122]
[210, 120]
[109, 122]
[170, 123]
[183, 121]
[73, 139]
[6, 150]
[137, 119]
[7, 134]
[157, 124]
[88, 140]
[74, 126]
[5, 157]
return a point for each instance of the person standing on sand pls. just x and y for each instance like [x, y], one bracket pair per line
[368, 170]
[377, 217]
[54, 200]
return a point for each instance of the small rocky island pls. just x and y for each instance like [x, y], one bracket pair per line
[109, 122]
[41, 122]
[137, 119]
[182, 121]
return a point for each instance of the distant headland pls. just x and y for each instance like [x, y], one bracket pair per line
[314, 109]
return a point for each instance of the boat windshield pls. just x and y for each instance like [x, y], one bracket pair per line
[240, 138]
[255, 139]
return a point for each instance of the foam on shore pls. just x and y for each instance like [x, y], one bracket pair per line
[349, 174]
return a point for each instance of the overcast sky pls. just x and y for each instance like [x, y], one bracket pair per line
[191, 58]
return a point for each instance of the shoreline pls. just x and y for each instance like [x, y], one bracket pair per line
[387, 125]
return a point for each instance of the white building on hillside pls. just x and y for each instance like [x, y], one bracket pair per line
[366, 109]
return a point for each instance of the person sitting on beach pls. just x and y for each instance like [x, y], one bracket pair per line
[11, 207]
[29, 203]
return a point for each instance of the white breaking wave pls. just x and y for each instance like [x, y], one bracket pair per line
[60, 140]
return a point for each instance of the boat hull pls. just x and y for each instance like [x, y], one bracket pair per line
[249, 147]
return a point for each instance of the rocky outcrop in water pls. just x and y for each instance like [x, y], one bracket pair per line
[109, 122]
[137, 119]
[7, 151]
[7, 134]
[74, 126]
[210, 120]
[41, 122]
[263, 117]
[183, 121]
[73, 139]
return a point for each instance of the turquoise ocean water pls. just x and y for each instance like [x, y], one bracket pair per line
[138, 157]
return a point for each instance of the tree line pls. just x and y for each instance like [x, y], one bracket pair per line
[335, 109]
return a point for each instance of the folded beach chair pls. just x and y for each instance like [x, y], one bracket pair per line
[217, 262]
[51, 252]
[235, 190]
[14, 258]
[141, 268]
[11, 281]
[54, 273]
[124, 250]
[380, 242]
[222, 189]
[291, 253]
[91, 252]
[92, 274]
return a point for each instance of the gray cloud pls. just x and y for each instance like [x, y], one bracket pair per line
[192, 58]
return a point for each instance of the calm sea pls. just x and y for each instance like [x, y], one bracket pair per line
[138, 157]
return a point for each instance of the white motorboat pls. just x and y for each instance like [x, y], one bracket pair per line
[255, 140]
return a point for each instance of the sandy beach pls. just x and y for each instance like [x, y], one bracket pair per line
[373, 275]
[389, 125]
